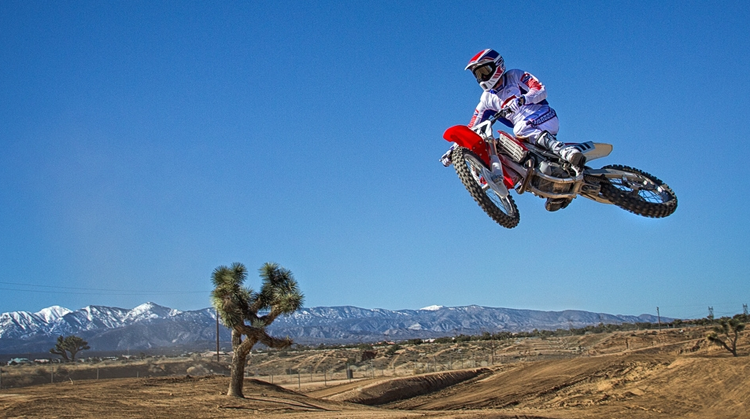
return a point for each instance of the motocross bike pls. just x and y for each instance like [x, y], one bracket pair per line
[490, 167]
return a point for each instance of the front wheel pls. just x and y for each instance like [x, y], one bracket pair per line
[472, 171]
[638, 192]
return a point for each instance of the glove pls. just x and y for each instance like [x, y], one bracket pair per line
[514, 105]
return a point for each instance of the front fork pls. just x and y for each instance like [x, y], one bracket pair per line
[493, 178]
[497, 177]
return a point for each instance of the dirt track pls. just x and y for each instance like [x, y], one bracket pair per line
[629, 386]
[667, 378]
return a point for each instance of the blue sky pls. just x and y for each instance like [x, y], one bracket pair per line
[145, 143]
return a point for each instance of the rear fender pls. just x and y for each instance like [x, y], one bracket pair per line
[594, 151]
[465, 137]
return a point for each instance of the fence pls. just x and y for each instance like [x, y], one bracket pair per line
[27, 375]
[303, 368]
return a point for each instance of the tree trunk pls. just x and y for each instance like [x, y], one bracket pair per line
[238, 366]
[238, 375]
[732, 349]
[239, 359]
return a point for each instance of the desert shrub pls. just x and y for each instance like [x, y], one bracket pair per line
[727, 334]
[392, 350]
[198, 370]
[23, 381]
[156, 369]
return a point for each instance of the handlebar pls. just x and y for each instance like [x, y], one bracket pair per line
[502, 113]
[486, 125]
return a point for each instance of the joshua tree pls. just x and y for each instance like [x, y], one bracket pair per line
[70, 344]
[727, 333]
[238, 308]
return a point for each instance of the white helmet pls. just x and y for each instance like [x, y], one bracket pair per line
[488, 66]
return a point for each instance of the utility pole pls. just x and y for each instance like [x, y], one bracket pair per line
[492, 360]
[744, 309]
[710, 313]
[658, 316]
[217, 335]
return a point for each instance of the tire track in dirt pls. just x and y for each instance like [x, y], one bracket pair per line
[386, 391]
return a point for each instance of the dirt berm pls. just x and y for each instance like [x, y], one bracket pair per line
[391, 390]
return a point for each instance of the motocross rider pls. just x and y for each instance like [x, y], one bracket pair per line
[531, 117]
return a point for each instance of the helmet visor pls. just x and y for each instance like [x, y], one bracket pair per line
[484, 72]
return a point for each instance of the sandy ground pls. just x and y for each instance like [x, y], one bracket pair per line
[668, 378]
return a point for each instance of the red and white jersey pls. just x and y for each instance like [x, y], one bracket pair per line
[512, 85]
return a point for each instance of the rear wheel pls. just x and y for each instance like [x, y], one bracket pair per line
[638, 192]
[472, 171]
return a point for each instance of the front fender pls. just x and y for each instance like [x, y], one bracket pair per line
[465, 137]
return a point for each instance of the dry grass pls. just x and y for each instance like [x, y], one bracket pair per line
[645, 374]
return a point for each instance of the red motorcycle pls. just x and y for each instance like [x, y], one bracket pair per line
[490, 167]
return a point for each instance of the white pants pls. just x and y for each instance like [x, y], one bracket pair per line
[528, 132]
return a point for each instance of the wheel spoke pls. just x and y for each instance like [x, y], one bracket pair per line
[639, 192]
[473, 173]
[640, 187]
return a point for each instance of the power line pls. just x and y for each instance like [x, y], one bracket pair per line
[108, 292]
[57, 289]
[51, 286]
[697, 305]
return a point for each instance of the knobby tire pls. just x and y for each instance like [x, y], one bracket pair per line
[508, 218]
[632, 201]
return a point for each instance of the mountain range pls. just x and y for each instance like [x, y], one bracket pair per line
[150, 326]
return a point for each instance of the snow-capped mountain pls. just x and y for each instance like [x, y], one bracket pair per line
[153, 326]
[59, 320]
[50, 314]
[352, 324]
[106, 328]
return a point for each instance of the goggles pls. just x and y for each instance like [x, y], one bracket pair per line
[484, 72]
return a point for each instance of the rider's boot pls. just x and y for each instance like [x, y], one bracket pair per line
[567, 153]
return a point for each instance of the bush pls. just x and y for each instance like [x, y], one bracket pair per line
[392, 350]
